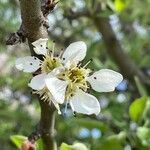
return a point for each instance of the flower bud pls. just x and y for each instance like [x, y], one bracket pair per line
[27, 145]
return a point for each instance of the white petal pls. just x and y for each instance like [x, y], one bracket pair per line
[56, 71]
[38, 82]
[84, 103]
[56, 105]
[75, 52]
[57, 88]
[105, 80]
[28, 64]
[40, 46]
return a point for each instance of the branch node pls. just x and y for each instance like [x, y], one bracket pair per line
[15, 38]
[48, 6]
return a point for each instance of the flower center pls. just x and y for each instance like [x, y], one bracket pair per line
[76, 75]
[76, 78]
[49, 63]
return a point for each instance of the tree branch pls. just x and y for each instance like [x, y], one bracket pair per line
[115, 50]
[32, 21]
[46, 7]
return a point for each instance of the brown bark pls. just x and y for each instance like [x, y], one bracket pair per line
[32, 22]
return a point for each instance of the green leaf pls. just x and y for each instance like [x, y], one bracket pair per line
[143, 134]
[39, 144]
[18, 140]
[75, 146]
[136, 109]
[79, 146]
[120, 5]
[65, 146]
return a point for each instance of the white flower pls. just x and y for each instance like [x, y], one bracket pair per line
[46, 67]
[32, 63]
[78, 81]
[64, 79]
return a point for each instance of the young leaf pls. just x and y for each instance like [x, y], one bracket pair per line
[120, 5]
[65, 146]
[18, 140]
[136, 109]
[40, 144]
[143, 134]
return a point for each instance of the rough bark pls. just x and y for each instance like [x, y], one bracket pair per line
[32, 22]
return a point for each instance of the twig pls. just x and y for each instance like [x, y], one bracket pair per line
[15, 38]
[20, 36]
[48, 6]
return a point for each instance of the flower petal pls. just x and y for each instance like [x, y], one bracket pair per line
[105, 80]
[84, 103]
[38, 82]
[56, 105]
[40, 46]
[75, 52]
[28, 64]
[57, 88]
[56, 71]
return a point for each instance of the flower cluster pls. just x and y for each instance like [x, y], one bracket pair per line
[63, 78]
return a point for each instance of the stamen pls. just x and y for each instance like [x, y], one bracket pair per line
[88, 63]
[53, 49]
[66, 107]
[79, 65]
[75, 80]
[61, 53]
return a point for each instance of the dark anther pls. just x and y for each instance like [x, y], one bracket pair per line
[71, 95]
[63, 58]
[46, 47]
[35, 58]
[74, 114]
[63, 74]
[31, 64]
[41, 45]
[95, 78]
[57, 55]
[54, 41]
[51, 51]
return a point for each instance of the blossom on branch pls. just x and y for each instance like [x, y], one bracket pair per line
[63, 79]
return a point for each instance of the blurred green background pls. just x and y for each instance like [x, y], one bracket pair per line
[124, 122]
